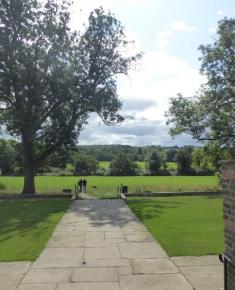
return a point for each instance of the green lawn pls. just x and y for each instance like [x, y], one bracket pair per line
[106, 186]
[184, 226]
[26, 225]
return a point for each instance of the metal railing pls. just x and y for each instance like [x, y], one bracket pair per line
[224, 259]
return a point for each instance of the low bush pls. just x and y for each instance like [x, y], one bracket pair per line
[2, 186]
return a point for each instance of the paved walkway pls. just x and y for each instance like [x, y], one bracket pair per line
[204, 273]
[101, 245]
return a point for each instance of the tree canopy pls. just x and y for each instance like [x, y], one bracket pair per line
[52, 78]
[123, 165]
[210, 114]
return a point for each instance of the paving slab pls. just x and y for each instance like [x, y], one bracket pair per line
[201, 270]
[37, 287]
[100, 244]
[60, 258]
[108, 252]
[204, 273]
[206, 282]
[36, 276]
[66, 241]
[94, 275]
[94, 243]
[197, 260]
[103, 263]
[154, 282]
[14, 268]
[139, 237]
[89, 286]
[9, 282]
[135, 250]
[114, 235]
[154, 266]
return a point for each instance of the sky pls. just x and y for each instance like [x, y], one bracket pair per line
[169, 33]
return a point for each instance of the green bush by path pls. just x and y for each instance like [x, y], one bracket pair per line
[26, 226]
[106, 186]
[184, 226]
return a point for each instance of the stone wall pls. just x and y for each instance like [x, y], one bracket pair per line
[228, 185]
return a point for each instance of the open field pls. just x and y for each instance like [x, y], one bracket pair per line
[183, 225]
[26, 226]
[141, 164]
[106, 186]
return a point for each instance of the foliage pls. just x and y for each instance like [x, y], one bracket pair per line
[7, 156]
[52, 78]
[123, 165]
[171, 155]
[27, 225]
[154, 163]
[184, 226]
[209, 115]
[2, 186]
[184, 161]
[85, 165]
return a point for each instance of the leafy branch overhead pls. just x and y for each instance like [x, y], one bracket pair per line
[210, 114]
[52, 78]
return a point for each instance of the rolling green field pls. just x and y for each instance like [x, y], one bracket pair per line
[106, 186]
[26, 226]
[184, 226]
[141, 164]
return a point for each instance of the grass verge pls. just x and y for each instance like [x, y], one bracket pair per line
[26, 226]
[106, 186]
[184, 226]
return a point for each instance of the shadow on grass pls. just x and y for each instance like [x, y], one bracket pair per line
[19, 217]
[148, 208]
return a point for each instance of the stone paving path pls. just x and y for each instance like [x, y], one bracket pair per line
[101, 245]
[204, 273]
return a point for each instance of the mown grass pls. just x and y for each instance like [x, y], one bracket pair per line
[106, 186]
[184, 226]
[26, 225]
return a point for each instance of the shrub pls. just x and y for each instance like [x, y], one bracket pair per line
[2, 186]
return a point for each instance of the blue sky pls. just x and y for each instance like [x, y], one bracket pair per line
[169, 32]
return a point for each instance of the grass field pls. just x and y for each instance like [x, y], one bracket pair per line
[26, 225]
[141, 164]
[183, 225]
[106, 186]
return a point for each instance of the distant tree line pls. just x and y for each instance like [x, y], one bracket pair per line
[84, 160]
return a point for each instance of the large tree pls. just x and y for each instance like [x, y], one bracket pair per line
[154, 162]
[123, 165]
[210, 115]
[52, 78]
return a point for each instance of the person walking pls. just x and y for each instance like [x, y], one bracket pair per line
[80, 183]
[84, 184]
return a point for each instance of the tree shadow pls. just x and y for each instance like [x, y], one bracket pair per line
[148, 209]
[20, 217]
[115, 212]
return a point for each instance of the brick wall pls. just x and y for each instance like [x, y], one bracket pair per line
[228, 185]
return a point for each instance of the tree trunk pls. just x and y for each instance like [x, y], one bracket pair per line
[29, 168]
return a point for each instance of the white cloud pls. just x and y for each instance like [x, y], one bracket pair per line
[212, 29]
[179, 25]
[146, 91]
[220, 12]
[160, 77]
[163, 37]
[146, 94]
